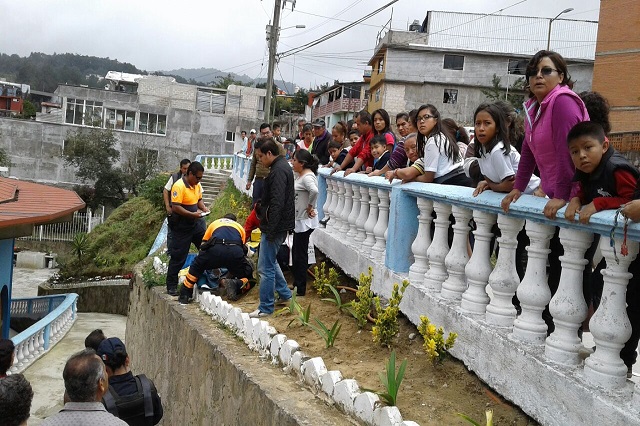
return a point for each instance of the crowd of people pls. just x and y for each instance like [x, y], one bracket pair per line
[99, 388]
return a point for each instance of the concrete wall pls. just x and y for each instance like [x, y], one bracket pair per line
[205, 376]
[109, 297]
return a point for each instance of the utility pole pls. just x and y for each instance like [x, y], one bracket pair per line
[273, 45]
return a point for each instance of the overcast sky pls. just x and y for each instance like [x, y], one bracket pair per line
[230, 35]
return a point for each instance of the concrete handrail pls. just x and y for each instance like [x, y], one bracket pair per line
[216, 162]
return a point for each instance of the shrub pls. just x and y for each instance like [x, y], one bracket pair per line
[386, 324]
[151, 189]
[435, 345]
[230, 200]
[364, 298]
[323, 280]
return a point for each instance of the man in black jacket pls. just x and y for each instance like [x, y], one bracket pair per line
[277, 218]
[320, 145]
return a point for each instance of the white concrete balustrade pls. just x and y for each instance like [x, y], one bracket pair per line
[403, 231]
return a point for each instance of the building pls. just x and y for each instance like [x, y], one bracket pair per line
[407, 72]
[617, 62]
[150, 115]
[340, 102]
[12, 98]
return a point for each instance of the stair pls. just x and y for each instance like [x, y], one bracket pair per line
[212, 182]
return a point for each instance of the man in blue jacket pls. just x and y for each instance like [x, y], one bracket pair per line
[277, 218]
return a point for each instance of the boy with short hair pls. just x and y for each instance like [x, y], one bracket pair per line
[337, 153]
[378, 147]
[354, 135]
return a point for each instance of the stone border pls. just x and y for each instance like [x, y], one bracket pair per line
[264, 339]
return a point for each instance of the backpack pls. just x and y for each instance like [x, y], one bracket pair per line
[135, 409]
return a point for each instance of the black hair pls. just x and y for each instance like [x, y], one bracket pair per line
[244, 131]
[558, 62]
[16, 395]
[402, 115]
[412, 115]
[502, 131]
[185, 161]
[353, 132]
[365, 117]
[598, 109]
[268, 145]
[94, 339]
[81, 375]
[308, 160]
[195, 167]
[275, 126]
[515, 124]
[307, 128]
[586, 128]
[334, 145]
[231, 216]
[378, 140]
[452, 150]
[264, 126]
[385, 117]
[459, 132]
[6, 353]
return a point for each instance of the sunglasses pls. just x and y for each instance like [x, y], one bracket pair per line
[425, 117]
[545, 71]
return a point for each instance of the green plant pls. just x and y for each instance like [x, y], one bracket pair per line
[304, 315]
[386, 323]
[337, 300]
[151, 278]
[324, 279]
[435, 345]
[364, 299]
[329, 335]
[390, 380]
[80, 245]
[488, 414]
[230, 199]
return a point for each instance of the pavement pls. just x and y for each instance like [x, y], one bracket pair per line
[45, 375]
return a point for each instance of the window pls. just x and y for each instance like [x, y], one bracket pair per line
[338, 92]
[453, 62]
[118, 119]
[210, 101]
[378, 95]
[152, 123]
[146, 156]
[380, 66]
[517, 66]
[450, 96]
[231, 137]
[330, 96]
[261, 101]
[83, 113]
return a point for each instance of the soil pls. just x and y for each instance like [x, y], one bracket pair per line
[429, 395]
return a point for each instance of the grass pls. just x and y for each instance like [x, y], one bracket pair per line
[230, 200]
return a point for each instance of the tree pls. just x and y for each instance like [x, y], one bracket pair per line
[224, 82]
[515, 94]
[299, 101]
[142, 161]
[4, 158]
[28, 109]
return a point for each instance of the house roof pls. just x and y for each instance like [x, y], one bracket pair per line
[25, 204]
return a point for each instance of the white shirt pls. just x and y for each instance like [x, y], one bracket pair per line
[435, 156]
[496, 166]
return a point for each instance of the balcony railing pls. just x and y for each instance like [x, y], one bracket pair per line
[56, 315]
[216, 162]
[388, 227]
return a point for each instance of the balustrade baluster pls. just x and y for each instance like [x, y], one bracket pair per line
[438, 248]
[610, 324]
[458, 257]
[21, 354]
[361, 234]
[333, 207]
[478, 270]
[422, 242]
[533, 292]
[378, 249]
[353, 216]
[567, 306]
[41, 341]
[346, 210]
[370, 224]
[504, 279]
[337, 219]
[31, 347]
[327, 202]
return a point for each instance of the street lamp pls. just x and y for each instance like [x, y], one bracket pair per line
[297, 26]
[551, 22]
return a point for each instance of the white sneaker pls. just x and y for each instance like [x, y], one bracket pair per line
[258, 314]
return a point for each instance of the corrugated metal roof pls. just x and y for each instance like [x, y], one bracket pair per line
[34, 204]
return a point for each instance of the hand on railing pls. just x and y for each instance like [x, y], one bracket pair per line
[511, 197]
[632, 210]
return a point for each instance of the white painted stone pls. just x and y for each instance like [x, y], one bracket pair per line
[297, 362]
[266, 336]
[258, 331]
[235, 316]
[328, 380]
[344, 392]
[205, 303]
[364, 405]
[409, 423]
[387, 416]
[277, 342]
[313, 368]
[286, 352]
[422, 242]
[241, 323]
[478, 270]
[253, 324]
[458, 256]
[438, 248]
[224, 310]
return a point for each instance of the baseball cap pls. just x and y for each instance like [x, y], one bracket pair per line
[319, 123]
[252, 131]
[109, 347]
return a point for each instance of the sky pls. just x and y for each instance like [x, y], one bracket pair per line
[230, 35]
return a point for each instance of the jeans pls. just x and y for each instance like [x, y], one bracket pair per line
[271, 278]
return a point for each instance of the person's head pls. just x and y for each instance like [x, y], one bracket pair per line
[402, 124]
[412, 119]
[94, 338]
[243, 134]
[587, 145]
[364, 122]
[307, 133]
[184, 166]
[339, 132]
[598, 109]
[7, 353]
[544, 72]
[428, 124]
[354, 135]
[114, 354]
[301, 123]
[85, 377]
[334, 149]
[303, 159]
[411, 148]
[381, 121]
[318, 127]
[490, 126]
[459, 132]
[265, 130]
[194, 173]
[378, 145]
[230, 216]
[515, 124]
[275, 127]
[267, 151]
[16, 395]
[252, 134]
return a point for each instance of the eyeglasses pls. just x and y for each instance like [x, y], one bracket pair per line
[425, 117]
[545, 71]
[199, 177]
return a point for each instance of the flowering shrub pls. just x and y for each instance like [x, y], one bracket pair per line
[386, 325]
[435, 345]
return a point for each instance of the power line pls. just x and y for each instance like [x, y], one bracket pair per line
[329, 19]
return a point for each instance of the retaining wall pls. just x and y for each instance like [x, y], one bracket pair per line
[108, 297]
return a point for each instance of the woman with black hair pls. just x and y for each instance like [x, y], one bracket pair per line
[305, 168]
[382, 126]
[7, 354]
